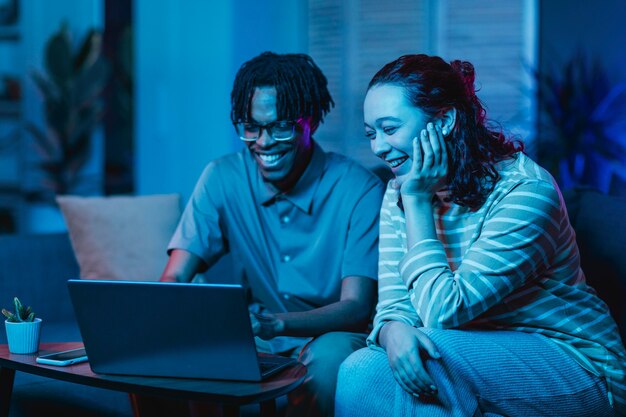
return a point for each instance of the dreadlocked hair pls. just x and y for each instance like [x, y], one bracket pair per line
[301, 87]
[474, 147]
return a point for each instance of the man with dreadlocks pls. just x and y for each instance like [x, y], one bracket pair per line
[301, 224]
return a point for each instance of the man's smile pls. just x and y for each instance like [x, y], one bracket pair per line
[270, 159]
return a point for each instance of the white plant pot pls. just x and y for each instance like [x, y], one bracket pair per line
[23, 337]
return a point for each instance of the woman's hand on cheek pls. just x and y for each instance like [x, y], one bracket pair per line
[430, 164]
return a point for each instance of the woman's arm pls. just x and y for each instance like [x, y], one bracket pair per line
[515, 240]
[394, 302]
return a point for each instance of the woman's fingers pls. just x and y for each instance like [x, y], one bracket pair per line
[438, 145]
[418, 374]
[442, 151]
[417, 155]
[407, 350]
[427, 149]
[412, 376]
[429, 167]
[431, 350]
[427, 344]
[408, 381]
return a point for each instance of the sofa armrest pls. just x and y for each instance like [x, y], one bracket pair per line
[600, 226]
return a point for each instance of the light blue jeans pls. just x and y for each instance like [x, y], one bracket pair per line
[480, 373]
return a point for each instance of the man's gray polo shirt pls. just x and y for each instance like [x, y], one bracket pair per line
[292, 248]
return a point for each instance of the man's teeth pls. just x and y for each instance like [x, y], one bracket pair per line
[269, 158]
[396, 162]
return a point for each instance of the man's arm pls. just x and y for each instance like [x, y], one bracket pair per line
[350, 313]
[182, 266]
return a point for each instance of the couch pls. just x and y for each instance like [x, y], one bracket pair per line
[600, 224]
[36, 267]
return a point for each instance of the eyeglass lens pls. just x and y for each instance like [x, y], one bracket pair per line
[280, 130]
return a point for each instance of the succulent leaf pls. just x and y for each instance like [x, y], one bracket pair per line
[21, 313]
[10, 316]
[18, 308]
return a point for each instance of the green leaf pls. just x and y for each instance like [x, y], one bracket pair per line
[45, 87]
[59, 57]
[10, 316]
[18, 308]
[46, 145]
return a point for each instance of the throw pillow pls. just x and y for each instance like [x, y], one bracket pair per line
[121, 238]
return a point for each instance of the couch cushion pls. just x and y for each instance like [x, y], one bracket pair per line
[600, 224]
[121, 238]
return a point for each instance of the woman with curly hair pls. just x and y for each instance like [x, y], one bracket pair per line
[483, 308]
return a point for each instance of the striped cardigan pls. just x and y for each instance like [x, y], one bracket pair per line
[513, 264]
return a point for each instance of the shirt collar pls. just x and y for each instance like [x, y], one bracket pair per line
[301, 195]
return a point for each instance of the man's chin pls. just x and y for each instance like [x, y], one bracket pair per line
[273, 176]
[276, 173]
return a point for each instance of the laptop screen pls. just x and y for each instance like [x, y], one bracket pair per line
[166, 329]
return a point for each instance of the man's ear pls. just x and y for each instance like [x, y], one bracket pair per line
[306, 123]
[448, 121]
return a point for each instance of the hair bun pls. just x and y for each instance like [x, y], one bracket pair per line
[466, 70]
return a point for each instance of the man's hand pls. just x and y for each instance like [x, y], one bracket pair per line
[266, 326]
[403, 343]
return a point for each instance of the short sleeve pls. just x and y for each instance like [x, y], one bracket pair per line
[361, 251]
[198, 231]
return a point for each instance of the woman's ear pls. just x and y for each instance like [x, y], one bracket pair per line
[448, 121]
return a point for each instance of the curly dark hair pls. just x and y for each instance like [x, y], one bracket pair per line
[434, 86]
[301, 87]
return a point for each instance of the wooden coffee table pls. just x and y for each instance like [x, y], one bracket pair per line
[229, 394]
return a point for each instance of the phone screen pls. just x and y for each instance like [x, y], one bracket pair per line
[64, 356]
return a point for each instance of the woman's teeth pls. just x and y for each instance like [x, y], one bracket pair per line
[397, 162]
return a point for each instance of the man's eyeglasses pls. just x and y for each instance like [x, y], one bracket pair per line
[280, 130]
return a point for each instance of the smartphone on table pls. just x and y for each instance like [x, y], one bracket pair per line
[64, 358]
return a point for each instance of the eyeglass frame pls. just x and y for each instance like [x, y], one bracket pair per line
[268, 128]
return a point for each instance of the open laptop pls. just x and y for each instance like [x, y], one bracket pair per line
[169, 330]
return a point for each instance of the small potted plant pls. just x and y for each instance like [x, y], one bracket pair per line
[22, 328]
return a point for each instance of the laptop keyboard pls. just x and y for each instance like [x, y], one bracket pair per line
[272, 364]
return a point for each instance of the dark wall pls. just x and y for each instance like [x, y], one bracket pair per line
[583, 141]
[597, 27]
[118, 118]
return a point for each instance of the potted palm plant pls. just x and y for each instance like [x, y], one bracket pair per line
[23, 329]
[71, 90]
[582, 123]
